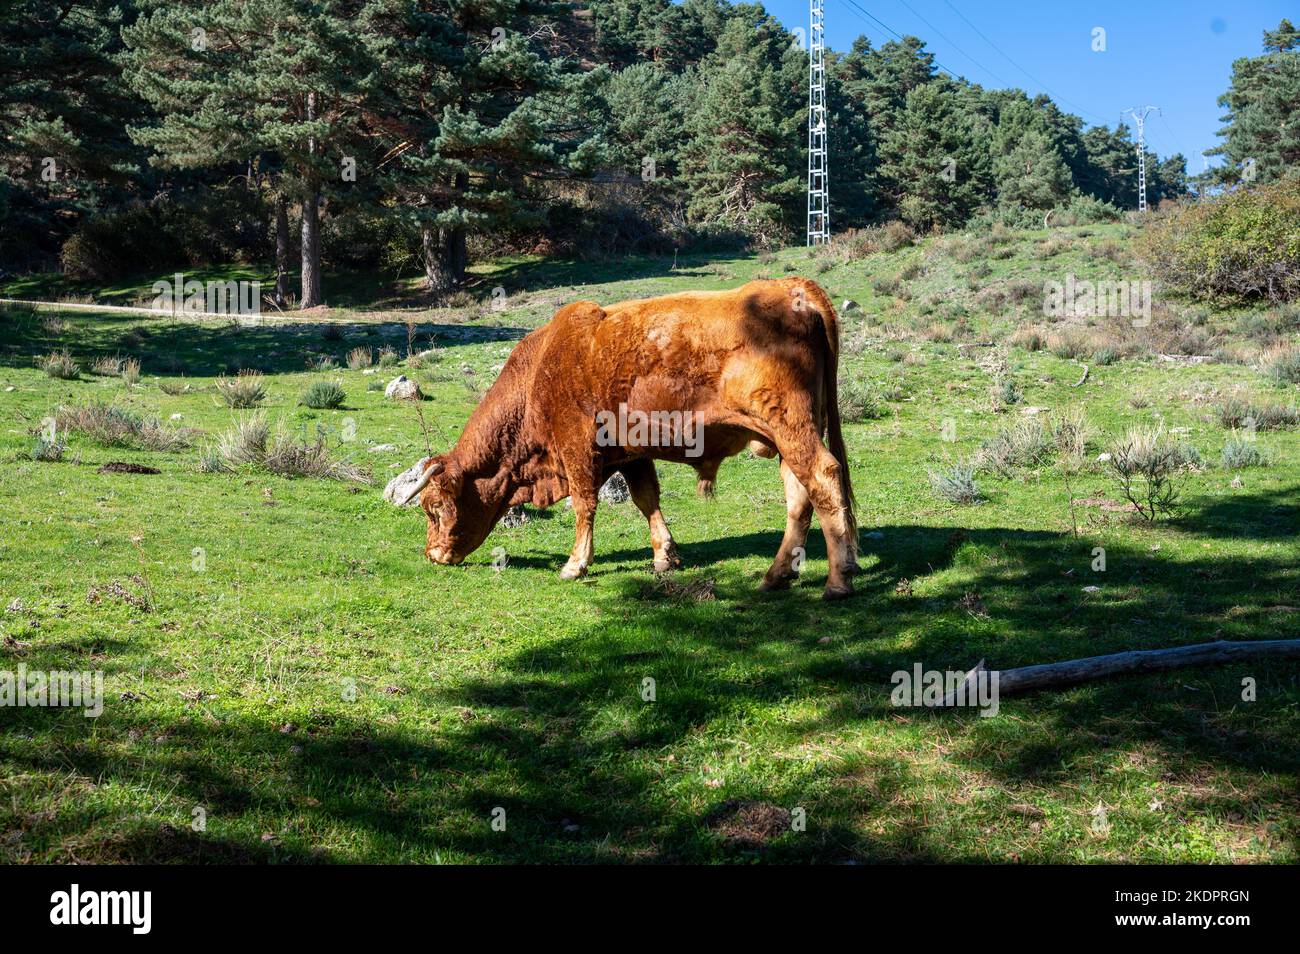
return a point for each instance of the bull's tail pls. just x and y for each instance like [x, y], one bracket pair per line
[834, 434]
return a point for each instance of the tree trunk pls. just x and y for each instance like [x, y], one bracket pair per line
[444, 258]
[311, 291]
[281, 251]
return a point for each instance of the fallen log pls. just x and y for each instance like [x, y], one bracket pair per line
[1083, 378]
[1074, 671]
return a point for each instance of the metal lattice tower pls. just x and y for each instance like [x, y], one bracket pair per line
[819, 213]
[1140, 119]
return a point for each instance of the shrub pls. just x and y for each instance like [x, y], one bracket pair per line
[250, 442]
[895, 235]
[174, 387]
[1029, 338]
[1007, 391]
[1282, 364]
[131, 372]
[109, 366]
[114, 426]
[1241, 245]
[1239, 452]
[955, 482]
[359, 358]
[1070, 343]
[244, 390]
[1236, 412]
[858, 401]
[47, 451]
[387, 356]
[324, 394]
[1071, 432]
[1025, 444]
[59, 364]
[1146, 463]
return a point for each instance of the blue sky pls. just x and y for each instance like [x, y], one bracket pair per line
[1177, 55]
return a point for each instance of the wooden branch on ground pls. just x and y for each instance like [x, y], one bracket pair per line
[1074, 671]
[1082, 379]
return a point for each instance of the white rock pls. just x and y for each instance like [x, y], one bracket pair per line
[402, 388]
[849, 305]
[176, 417]
[1092, 589]
[1102, 458]
[380, 448]
[1032, 410]
[402, 484]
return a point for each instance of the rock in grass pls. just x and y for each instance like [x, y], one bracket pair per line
[615, 490]
[515, 517]
[402, 388]
[402, 484]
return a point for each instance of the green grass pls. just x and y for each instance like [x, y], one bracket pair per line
[323, 693]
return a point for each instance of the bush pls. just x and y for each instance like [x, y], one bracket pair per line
[1235, 412]
[1282, 364]
[242, 391]
[47, 451]
[858, 401]
[324, 394]
[59, 364]
[955, 482]
[1026, 443]
[1242, 245]
[250, 442]
[109, 366]
[359, 358]
[1146, 464]
[114, 426]
[895, 235]
[1071, 433]
[1240, 452]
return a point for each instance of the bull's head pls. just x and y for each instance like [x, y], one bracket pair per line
[459, 519]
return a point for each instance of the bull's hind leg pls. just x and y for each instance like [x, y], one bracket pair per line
[798, 517]
[818, 471]
[643, 482]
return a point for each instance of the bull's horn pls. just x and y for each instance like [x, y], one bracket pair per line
[423, 482]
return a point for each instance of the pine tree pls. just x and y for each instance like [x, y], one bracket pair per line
[64, 151]
[936, 158]
[1262, 131]
[744, 162]
[284, 82]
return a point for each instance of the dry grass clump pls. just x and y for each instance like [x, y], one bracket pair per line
[59, 364]
[1239, 412]
[108, 366]
[114, 426]
[244, 390]
[359, 358]
[252, 442]
[1026, 443]
[131, 372]
[1146, 463]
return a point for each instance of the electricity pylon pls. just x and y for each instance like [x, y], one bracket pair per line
[819, 215]
[1140, 120]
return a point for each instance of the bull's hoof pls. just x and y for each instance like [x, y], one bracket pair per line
[837, 592]
[669, 561]
[771, 583]
[573, 572]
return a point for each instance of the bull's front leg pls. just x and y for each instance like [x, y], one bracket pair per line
[584, 499]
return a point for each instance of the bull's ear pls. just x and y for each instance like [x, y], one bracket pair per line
[438, 465]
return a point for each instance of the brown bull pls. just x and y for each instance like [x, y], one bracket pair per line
[692, 378]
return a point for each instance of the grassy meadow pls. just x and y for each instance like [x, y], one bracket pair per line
[283, 665]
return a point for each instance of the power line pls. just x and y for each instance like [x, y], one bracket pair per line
[941, 36]
[1035, 80]
[884, 26]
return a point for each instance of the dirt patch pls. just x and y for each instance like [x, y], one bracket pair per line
[114, 589]
[697, 591]
[748, 824]
[122, 467]
[1105, 504]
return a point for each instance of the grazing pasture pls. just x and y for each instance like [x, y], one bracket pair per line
[281, 662]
